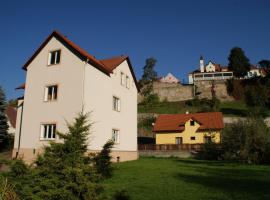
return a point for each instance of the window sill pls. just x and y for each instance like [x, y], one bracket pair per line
[44, 140]
[48, 101]
[48, 65]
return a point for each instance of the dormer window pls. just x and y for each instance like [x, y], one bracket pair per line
[192, 123]
[54, 57]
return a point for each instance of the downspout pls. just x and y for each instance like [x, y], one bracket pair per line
[83, 82]
[20, 131]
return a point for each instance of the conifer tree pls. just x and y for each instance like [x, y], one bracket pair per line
[3, 118]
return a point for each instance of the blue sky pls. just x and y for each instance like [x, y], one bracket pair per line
[174, 32]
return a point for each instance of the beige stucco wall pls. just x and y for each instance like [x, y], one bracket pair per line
[98, 98]
[68, 76]
[79, 86]
[190, 131]
[29, 155]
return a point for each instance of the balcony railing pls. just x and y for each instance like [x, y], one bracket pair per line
[212, 76]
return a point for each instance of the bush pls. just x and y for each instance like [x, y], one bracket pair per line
[247, 141]
[121, 195]
[151, 99]
[102, 160]
[210, 151]
[18, 168]
[7, 191]
[64, 171]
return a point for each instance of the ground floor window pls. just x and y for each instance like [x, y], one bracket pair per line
[178, 140]
[207, 139]
[115, 136]
[48, 131]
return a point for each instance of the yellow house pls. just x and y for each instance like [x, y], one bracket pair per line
[196, 128]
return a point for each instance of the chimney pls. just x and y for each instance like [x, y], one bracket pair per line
[201, 64]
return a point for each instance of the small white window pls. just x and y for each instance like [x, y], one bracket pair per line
[115, 136]
[122, 78]
[51, 93]
[127, 82]
[116, 103]
[48, 131]
[54, 57]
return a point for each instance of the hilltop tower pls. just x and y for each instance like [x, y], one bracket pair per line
[201, 64]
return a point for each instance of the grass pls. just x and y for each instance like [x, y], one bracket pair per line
[234, 108]
[166, 108]
[179, 179]
[229, 109]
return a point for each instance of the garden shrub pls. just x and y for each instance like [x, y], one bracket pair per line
[121, 195]
[64, 171]
[247, 141]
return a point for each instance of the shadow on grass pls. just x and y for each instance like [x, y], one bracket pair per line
[251, 182]
[234, 111]
[202, 162]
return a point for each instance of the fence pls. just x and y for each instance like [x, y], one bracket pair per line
[169, 147]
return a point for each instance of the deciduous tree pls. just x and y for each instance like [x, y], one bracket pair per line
[238, 62]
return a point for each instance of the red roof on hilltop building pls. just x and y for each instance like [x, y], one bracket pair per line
[176, 122]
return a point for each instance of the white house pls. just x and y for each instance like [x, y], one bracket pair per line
[210, 71]
[61, 80]
[213, 71]
[169, 78]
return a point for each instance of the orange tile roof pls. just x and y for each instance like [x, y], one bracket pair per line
[106, 65]
[176, 122]
[21, 87]
[112, 63]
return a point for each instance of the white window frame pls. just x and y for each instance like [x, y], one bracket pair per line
[45, 136]
[122, 78]
[127, 82]
[116, 104]
[116, 136]
[57, 53]
[46, 93]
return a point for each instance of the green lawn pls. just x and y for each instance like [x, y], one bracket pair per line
[171, 178]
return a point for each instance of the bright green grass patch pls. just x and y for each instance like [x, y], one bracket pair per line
[166, 108]
[175, 179]
[231, 108]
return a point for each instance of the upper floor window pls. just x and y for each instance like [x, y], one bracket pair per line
[116, 103]
[192, 138]
[54, 57]
[51, 93]
[192, 123]
[48, 131]
[122, 78]
[115, 136]
[127, 82]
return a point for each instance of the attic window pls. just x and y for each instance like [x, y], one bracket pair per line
[127, 82]
[192, 138]
[192, 123]
[54, 57]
